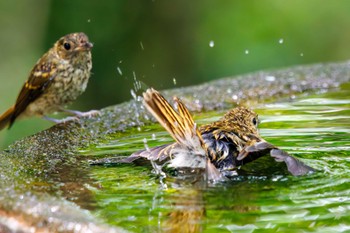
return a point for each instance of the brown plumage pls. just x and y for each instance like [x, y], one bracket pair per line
[220, 147]
[56, 80]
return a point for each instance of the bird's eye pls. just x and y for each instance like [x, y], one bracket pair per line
[255, 121]
[66, 46]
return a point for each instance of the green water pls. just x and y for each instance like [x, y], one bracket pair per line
[314, 128]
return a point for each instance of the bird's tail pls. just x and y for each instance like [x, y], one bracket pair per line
[6, 117]
[181, 126]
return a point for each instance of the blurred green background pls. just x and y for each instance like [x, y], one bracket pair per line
[159, 41]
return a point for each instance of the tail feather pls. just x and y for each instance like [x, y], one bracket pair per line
[190, 146]
[6, 119]
[179, 124]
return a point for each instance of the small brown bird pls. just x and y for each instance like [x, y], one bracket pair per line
[220, 147]
[56, 80]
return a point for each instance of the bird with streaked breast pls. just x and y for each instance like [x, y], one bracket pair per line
[56, 80]
[219, 147]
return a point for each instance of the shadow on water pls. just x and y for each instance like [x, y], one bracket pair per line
[314, 128]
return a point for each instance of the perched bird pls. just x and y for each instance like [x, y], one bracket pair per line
[56, 80]
[220, 147]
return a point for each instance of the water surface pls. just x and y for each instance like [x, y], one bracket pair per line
[314, 128]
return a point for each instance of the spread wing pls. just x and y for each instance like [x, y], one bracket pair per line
[40, 78]
[294, 166]
[255, 147]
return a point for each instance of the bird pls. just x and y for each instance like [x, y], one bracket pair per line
[219, 148]
[55, 81]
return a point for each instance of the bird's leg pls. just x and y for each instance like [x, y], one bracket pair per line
[81, 114]
[58, 121]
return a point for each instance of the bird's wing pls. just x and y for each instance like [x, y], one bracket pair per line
[255, 149]
[39, 79]
[294, 166]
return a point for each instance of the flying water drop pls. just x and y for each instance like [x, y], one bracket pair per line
[119, 70]
[211, 44]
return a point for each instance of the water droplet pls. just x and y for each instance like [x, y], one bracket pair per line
[174, 81]
[211, 44]
[246, 51]
[119, 70]
[281, 41]
[301, 54]
[141, 44]
[145, 144]
[137, 84]
[133, 94]
[89, 20]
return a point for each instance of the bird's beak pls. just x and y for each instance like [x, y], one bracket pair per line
[86, 46]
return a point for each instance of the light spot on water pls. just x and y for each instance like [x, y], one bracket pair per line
[54, 209]
[89, 20]
[246, 51]
[270, 78]
[174, 81]
[301, 54]
[281, 41]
